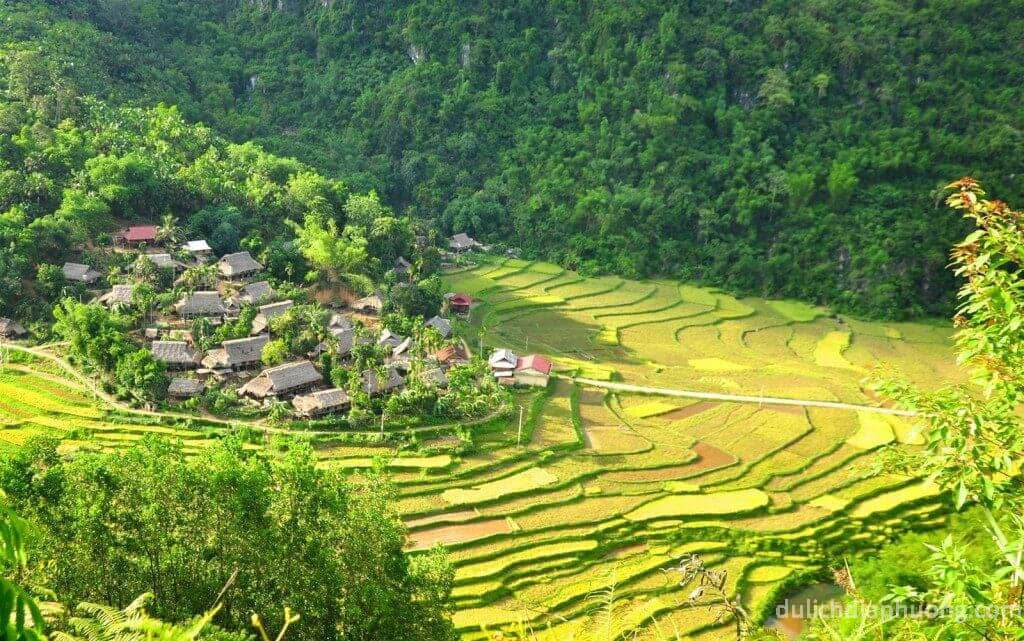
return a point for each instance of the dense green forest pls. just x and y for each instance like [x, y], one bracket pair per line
[720, 142]
[226, 528]
[69, 182]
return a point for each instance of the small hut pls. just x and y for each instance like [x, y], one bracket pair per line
[238, 265]
[177, 355]
[321, 403]
[184, 388]
[11, 329]
[283, 381]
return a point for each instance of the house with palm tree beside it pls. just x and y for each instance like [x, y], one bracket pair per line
[136, 236]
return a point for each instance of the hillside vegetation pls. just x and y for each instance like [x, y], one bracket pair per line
[698, 140]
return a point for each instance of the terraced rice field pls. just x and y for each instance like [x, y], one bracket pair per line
[609, 489]
[630, 481]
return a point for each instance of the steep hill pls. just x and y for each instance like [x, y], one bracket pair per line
[775, 147]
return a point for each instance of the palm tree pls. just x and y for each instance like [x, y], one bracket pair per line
[314, 320]
[168, 231]
[199, 275]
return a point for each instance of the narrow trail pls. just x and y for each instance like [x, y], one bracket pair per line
[87, 384]
[90, 385]
[740, 398]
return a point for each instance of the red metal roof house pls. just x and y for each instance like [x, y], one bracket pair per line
[533, 370]
[138, 235]
[460, 303]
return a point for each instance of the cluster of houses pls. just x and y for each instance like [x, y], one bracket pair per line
[298, 381]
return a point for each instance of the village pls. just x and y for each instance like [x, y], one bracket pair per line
[231, 292]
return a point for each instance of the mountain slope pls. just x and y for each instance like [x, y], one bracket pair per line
[772, 147]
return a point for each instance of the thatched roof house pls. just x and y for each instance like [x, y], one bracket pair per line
[10, 328]
[238, 265]
[322, 402]
[461, 242]
[184, 388]
[401, 267]
[435, 378]
[80, 273]
[239, 353]
[442, 325]
[374, 385]
[165, 261]
[402, 349]
[176, 354]
[283, 380]
[205, 303]
[346, 340]
[118, 296]
[389, 338]
[257, 292]
[339, 321]
[268, 312]
[372, 304]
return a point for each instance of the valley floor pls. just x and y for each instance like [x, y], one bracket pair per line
[576, 516]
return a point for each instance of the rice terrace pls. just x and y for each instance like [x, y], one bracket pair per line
[576, 501]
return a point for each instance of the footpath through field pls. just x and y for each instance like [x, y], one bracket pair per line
[740, 398]
[87, 384]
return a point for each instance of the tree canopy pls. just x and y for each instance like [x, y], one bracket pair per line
[701, 140]
[229, 527]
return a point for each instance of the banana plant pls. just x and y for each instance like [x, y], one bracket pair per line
[19, 614]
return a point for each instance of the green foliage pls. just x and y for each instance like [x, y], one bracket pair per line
[20, 618]
[421, 298]
[97, 338]
[907, 562]
[96, 622]
[973, 433]
[276, 531]
[298, 330]
[207, 336]
[328, 249]
[275, 352]
[578, 133]
[471, 392]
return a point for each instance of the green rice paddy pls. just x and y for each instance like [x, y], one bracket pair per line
[605, 489]
[763, 491]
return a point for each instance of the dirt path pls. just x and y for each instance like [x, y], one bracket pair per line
[87, 384]
[98, 392]
[740, 398]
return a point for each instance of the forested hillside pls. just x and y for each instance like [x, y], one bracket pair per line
[721, 141]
